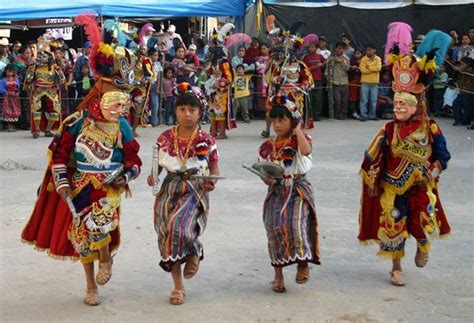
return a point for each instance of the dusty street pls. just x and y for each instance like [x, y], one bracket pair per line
[233, 281]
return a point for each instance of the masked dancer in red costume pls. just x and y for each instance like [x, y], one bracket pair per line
[402, 164]
[91, 160]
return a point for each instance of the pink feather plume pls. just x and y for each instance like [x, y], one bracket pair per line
[398, 33]
[144, 30]
[311, 38]
[235, 39]
[94, 35]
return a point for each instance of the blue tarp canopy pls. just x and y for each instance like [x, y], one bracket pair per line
[34, 9]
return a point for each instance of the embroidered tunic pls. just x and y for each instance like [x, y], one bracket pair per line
[84, 154]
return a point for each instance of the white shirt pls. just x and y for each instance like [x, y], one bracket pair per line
[324, 52]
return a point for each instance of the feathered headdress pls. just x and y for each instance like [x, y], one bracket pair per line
[94, 35]
[119, 37]
[293, 39]
[143, 32]
[270, 22]
[310, 39]
[435, 42]
[235, 39]
[399, 41]
[224, 32]
[113, 65]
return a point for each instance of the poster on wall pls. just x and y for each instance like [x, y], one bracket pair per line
[64, 32]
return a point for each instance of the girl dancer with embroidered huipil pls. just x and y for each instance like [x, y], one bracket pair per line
[190, 158]
[401, 168]
[289, 212]
[91, 160]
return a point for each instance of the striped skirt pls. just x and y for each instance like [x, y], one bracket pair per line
[181, 209]
[289, 216]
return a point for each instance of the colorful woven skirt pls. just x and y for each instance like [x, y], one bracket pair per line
[289, 216]
[181, 209]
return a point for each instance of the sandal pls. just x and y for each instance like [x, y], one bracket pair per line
[104, 273]
[177, 297]
[191, 267]
[36, 135]
[278, 286]
[397, 278]
[221, 137]
[421, 258]
[48, 134]
[92, 297]
[265, 134]
[302, 273]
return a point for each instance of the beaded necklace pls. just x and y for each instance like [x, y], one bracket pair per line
[183, 157]
[277, 155]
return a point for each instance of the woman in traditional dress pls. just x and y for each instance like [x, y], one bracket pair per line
[10, 91]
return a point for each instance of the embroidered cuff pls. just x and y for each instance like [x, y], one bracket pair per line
[434, 170]
[60, 176]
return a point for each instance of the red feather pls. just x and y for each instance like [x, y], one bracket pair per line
[270, 23]
[94, 35]
[235, 39]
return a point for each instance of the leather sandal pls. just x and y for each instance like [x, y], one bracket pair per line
[397, 278]
[92, 297]
[302, 273]
[191, 267]
[104, 273]
[278, 286]
[177, 297]
[421, 258]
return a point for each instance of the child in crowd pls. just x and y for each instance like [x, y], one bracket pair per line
[463, 105]
[217, 89]
[289, 213]
[385, 97]
[242, 93]
[370, 66]
[10, 95]
[336, 72]
[84, 83]
[240, 59]
[182, 204]
[354, 84]
[169, 82]
[439, 86]
[315, 63]
[155, 88]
